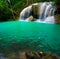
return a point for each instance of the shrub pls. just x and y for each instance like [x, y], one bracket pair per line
[5, 12]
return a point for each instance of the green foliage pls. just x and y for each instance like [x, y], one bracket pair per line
[56, 1]
[19, 5]
[5, 12]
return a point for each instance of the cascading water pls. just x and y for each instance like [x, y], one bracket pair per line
[25, 13]
[49, 10]
[46, 11]
[42, 10]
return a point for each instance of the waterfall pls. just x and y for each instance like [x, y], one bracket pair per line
[46, 10]
[25, 13]
[42, 10]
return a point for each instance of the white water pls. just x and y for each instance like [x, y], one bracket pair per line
[25, 11]
[47, 10]
[46, 13]
[42, 9]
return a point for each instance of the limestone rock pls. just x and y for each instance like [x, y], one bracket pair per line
[35, 10]
[31, 18]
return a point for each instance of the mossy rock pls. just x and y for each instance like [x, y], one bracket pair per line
[57, 18]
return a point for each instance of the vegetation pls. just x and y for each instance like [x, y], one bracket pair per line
[12, 9]
[5, 12]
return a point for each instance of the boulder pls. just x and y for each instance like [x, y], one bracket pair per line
[35, 10]
[31, 18]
